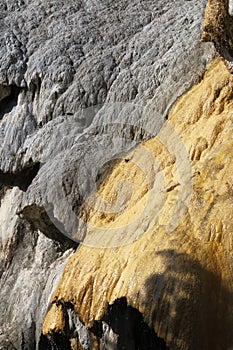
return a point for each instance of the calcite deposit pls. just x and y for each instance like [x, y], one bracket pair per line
[115, 171]
[178, 272]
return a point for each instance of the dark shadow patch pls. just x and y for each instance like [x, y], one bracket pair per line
[57, 341]
[132, 333]
[192, 302]
[35, 87]
[28, 339]
[10, 100]
[40, 219]
[21, 179]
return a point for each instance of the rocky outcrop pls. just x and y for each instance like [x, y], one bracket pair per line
[92, 86]
[176, 267]
[88, 157]
[31, 265]
[218, 26]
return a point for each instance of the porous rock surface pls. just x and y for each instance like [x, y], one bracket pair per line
[170, 250]
[81, 84]
[67, 60]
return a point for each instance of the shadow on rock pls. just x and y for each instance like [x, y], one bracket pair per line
[189, 306]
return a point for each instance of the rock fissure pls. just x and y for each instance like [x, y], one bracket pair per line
[43, 219]
[8, 98]
[22, 178]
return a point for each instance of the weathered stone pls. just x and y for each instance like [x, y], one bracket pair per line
[31, 265]
[218, 28]
[174, 266]
[82, 83]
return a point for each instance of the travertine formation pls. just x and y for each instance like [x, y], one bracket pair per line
[178, 277]
[116, 225]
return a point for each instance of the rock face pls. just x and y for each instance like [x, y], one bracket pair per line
[218, 26]
[136, 209]
[84, 68]
[178, 271]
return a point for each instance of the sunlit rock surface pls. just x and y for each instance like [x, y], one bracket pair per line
[72, 60]
[178, 273]
[83, 85]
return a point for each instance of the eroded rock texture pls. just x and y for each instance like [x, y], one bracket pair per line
[83, 86]
[178, 270]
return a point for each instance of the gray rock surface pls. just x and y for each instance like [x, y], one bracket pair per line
[31, 265]
[81, 82]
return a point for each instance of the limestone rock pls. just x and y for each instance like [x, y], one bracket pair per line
[31, 265]
[174, 267]
[72, 70]
[82, 84]
[73, 58]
